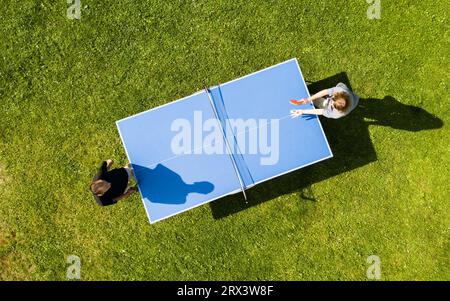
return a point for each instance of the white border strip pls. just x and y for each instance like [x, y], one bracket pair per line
[202, 91]
[238, 190]
[291, 170]
[159, 107]
[254, 73]
[323, 133]
[147, 210]
[128, 157]
[195, 206]
[317, 117]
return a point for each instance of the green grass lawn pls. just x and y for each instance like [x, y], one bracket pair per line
[64, 83]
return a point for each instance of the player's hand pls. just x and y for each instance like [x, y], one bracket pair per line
[109, 162]
[299, 102]
[296, 113]
[131, 190]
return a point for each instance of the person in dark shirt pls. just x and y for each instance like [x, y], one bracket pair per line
[109, 186]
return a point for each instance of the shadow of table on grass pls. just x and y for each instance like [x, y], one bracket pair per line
[349, 139]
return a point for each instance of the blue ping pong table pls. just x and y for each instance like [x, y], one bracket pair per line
[222, 140]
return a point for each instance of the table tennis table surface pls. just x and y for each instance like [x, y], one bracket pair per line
[172, 183]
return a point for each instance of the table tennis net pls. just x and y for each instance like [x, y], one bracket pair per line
[230, 137]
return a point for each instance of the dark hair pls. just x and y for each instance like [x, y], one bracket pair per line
[99, 187]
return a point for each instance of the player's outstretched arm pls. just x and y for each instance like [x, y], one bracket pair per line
[313, 111]
[320, 94]
[109, 163]
[298, 113]
[129, 192]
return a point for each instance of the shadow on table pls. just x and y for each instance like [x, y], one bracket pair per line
[349, 140]
[163, 185]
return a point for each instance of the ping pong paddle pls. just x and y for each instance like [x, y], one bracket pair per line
[298, 102]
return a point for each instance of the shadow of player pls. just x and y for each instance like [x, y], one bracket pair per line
[349, 139]
[163, 185]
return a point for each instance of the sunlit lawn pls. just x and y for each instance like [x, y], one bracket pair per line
[64, 83]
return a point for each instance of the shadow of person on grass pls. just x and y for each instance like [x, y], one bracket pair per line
[350, 142]
[163, 185]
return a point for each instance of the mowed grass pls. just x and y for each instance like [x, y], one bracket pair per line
[64, 83]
